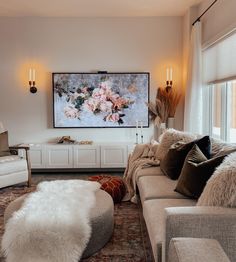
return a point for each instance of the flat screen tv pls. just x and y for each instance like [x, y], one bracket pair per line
[100, 99]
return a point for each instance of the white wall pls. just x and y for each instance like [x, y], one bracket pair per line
[79, 45]
[219, 20]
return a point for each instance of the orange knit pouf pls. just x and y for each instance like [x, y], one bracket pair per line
[113, 185]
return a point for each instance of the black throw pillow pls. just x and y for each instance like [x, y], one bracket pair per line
[173, 161]
[196, 171]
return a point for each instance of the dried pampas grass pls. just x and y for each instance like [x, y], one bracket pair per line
[165, 105]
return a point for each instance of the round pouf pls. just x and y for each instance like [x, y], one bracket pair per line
[101, 219]
[113, 185]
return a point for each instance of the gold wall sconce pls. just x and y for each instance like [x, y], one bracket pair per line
[32, 83]
[169, 78]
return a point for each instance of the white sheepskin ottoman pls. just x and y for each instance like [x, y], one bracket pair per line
[101, 219]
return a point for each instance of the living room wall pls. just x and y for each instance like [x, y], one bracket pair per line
[80, 45]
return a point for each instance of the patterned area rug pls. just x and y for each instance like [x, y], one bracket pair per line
[129, 243]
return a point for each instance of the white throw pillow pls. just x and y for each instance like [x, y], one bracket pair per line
[220, 189]
[170, 137]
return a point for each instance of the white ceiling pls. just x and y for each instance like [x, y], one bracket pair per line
[94, 8]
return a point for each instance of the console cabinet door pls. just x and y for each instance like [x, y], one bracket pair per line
[37, 157]
[86, 156]
[59, 156]
[114, 156]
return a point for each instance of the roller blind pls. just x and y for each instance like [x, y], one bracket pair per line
[219, 61]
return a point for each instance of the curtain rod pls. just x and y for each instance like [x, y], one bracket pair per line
[198, 19]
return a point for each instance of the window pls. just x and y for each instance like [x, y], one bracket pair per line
[220, 111]
[219, 71]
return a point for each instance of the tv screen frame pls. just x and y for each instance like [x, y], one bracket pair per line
[133, 88]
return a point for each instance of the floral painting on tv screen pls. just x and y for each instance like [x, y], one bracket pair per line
[100, 100]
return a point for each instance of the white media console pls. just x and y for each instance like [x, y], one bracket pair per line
[51, 155]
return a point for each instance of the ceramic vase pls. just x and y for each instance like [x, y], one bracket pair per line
[170, 122]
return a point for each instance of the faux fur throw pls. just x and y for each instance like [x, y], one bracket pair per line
[220, 189]
[142, 157]
[52, 224]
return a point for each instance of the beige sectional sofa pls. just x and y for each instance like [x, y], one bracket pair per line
[169, 214]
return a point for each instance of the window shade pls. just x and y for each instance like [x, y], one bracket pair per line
[219, 61]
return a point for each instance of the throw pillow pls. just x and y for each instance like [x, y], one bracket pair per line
[114, 186]
[196, 171]
[4, 147]
[173, 161]
[170, 137]
[219, 146]
[221, 187]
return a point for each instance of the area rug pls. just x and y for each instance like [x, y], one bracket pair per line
[130, 240]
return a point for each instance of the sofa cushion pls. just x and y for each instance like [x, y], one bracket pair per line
[155, 187]
[154, 215]
[221, 187]
[196, 171]
[149, 171]
[4, 147]
[173, 161]
[16, 165]
[170, 137]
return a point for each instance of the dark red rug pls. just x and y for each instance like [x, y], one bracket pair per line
[129, 243]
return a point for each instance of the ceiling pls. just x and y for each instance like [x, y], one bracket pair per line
[94, 8]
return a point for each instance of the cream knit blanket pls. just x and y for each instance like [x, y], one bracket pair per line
[143, 156]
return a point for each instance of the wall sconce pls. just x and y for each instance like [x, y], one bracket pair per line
[169, 79]
[33, 88]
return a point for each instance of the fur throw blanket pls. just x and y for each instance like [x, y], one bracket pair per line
[144, 156]
[52, 224]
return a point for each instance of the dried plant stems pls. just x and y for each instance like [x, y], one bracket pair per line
[165, 105]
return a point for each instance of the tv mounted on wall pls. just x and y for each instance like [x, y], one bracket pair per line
[100, 99]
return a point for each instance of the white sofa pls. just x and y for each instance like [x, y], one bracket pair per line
[169, 214]
[15, 169]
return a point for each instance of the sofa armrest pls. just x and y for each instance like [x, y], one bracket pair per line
[26, 147]
[202, 222]
[197, 249]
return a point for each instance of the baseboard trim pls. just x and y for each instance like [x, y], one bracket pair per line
[36, 171]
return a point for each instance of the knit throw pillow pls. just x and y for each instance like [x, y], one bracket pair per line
[113, 185]
[220, 189]
[170, 137]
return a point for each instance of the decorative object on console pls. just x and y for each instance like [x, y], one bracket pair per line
[32, 82]
[66, 140]
[137, 132]
[114, 186]
[100, 100]
[85, 142]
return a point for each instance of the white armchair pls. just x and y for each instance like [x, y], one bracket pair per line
[13, 168]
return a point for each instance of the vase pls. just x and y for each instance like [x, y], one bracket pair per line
[158, 130]
[170, 122]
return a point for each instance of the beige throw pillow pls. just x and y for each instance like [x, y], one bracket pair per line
[220, 189]
[170, 137]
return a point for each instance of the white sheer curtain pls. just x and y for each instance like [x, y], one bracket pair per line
[193, 98]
